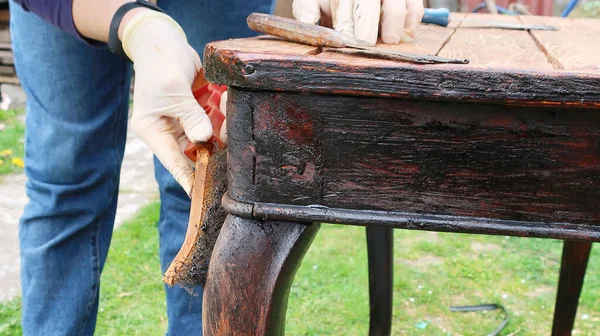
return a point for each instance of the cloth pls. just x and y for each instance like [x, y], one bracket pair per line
[76, 124]
[57, 12]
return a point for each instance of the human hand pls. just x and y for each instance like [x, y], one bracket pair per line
[395, 20]
[166, 116]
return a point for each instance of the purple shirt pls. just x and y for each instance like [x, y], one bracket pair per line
[57, 12]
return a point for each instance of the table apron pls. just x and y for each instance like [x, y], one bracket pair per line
[477, 164]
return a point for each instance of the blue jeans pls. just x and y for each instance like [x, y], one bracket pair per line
[76, 123]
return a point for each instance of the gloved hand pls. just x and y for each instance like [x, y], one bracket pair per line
[363, 19]
[166, 116]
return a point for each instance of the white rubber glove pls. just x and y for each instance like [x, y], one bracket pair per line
[165, 114]
[395, 20]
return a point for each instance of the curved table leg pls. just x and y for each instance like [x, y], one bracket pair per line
[251, 271]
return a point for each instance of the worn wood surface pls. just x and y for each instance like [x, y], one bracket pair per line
[495, 48]
[511, 163]
[572, 272]
[190, 266]
[251, 270]
[506, 66]
[574, 47]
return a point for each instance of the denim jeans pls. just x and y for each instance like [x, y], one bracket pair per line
[76, 124]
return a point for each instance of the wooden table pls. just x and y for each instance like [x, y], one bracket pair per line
[506, 145]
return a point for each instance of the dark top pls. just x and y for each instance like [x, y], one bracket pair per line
[57, 12]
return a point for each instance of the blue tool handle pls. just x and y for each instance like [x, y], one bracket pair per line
[437, 16]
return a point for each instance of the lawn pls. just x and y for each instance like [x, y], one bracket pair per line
[11, 141]
[329, 297]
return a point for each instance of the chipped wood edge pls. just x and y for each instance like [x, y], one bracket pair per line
[193, 232]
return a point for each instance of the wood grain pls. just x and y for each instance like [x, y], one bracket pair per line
[270, 45]
[507, 67]
[190, 266]
[529, 164]
[573, 47]
[429, 38]
[251, 272]
[495, 48]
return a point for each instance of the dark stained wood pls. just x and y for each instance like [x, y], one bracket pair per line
[507, 67]
[380, 244]
[251, 270]
[241, 151]
[525, 164]
[508, 144]
[572, 272]
[413, 221]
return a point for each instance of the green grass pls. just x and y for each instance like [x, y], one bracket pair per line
[132, 296]
[330, 295]
[10, 318]
[434, 271]
[131, 299]
[11, 140]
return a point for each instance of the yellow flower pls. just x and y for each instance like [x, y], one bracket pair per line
[18, 162]
[1, 162]
[5, 152]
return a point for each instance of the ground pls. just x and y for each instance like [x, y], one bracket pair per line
[432, 271]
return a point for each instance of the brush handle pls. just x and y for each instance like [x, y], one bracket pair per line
[437, 16]
[297, 31]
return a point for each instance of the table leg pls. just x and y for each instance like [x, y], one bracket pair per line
[572, 271]
[251, 271]
[380, 244]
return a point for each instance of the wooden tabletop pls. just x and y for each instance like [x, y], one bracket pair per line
[560, 67]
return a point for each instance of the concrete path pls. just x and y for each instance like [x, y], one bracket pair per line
[138, 189]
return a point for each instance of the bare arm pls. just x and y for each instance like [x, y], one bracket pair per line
[165, 113]
[85, 19]
[92, 17]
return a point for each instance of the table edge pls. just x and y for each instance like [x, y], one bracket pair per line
[440, 82]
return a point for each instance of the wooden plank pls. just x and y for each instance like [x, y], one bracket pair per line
[574, 47]
[507, 67]
[429, 40]
[594, 23]
[9, 80]
[497, 48]
[7, 70]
